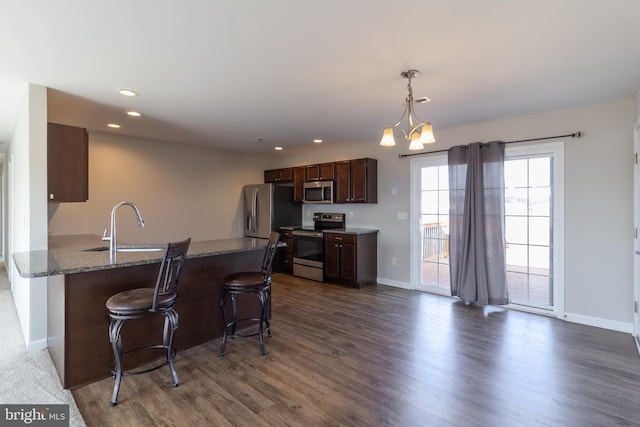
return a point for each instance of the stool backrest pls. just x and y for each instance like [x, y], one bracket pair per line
[269, 253]
[170, 270]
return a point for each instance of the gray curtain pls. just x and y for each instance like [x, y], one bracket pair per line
[476, 223]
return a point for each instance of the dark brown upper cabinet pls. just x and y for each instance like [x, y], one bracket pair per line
[67, 163]
[321, 172]
[356, 181]
[298, 183]
[278, 175]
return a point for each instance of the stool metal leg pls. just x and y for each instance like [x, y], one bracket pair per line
[263, 298]
[234, 313]
[170, 326]
[224, 324]
[115, 327]
[267, 320]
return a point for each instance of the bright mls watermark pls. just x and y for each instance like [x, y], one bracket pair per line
[34, 415]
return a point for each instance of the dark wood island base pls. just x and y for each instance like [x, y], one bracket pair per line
[78, 322]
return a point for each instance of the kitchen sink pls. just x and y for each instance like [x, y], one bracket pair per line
[139, 248]
[97, 249]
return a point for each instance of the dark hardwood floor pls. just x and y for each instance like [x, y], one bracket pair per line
[381, 356]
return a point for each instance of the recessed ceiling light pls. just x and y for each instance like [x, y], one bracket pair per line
[317, 141]
[114, 125]
[278, 148]
[127, 92]
[134, 113]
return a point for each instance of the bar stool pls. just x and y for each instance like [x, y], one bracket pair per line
[143, 302]
[250, 282]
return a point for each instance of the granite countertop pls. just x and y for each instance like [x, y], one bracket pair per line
[73, 254]
[348, 230]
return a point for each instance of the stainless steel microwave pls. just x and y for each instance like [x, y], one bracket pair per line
[318, 192]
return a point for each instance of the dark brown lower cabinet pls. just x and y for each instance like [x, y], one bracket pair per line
[350, 259]
[286, 254]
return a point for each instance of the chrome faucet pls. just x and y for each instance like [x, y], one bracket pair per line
[113, 246]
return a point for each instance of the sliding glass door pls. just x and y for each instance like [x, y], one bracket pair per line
[534, 208]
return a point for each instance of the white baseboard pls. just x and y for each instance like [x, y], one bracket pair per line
[599, 322]
[394, 283]
[37, 345]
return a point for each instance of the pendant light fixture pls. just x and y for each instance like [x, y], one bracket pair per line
[417, 133]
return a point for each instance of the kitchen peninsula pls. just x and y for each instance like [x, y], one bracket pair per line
[80, 278]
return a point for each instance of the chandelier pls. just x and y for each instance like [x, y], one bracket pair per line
[417, 133]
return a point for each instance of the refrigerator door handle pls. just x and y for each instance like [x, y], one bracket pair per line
[254, 211]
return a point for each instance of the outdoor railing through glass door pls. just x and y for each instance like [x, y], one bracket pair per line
[528, 230]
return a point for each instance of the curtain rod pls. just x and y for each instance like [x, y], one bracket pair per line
[572, 135]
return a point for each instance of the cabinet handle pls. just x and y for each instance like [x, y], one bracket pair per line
[338, 238]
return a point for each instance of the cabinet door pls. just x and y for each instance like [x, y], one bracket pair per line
[327, 172]
[358, 181]
[271, 176]
[298, 183]
[342, 189]
[331, 261]
[364, 181]
[312, 173]
[347, 268]
[67, 163]
[278, 175]
[285, 175]
[322, 172]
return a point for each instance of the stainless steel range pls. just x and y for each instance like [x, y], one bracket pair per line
[308, 245]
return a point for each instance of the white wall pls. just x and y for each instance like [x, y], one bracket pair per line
[181, 190]
[27, 211]
[598, 205]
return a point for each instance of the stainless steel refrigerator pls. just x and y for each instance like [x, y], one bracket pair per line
[268, 207]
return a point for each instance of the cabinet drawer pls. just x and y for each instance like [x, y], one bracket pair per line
[340, 238]
[286, 237]
[287, 263]
[287, 249]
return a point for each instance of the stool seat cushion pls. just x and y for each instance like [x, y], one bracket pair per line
[138, 300]
[246, 280]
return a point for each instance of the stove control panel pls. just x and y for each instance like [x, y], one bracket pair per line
[328, 217]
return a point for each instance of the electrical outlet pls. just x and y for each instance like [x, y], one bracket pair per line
[403, 216]
[350, 214]
[393, 261]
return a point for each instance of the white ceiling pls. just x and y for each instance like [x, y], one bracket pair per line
[223, 73]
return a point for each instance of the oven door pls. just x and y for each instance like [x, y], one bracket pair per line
[308, 254]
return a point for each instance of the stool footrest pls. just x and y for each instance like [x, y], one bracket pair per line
[153, 368]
